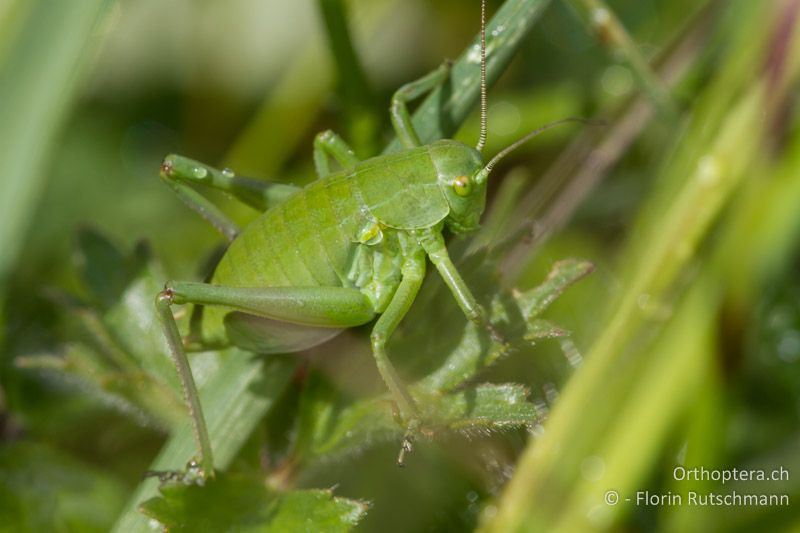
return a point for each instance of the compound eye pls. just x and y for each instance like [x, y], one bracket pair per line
[462, 185]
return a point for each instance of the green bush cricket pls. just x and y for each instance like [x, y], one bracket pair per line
[349, 247]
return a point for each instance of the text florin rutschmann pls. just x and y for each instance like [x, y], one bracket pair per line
[747, 493]
[703, 499]
[729, 499]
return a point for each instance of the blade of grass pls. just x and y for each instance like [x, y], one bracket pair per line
[580, 424]
[446, 108]
[581, 168]
[39, 81]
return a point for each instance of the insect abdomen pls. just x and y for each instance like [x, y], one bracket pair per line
[306, 241]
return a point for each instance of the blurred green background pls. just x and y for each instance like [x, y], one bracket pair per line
[685, 341]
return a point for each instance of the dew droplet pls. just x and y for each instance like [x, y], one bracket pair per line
[199, 172]
[474, 54]
[498, 30]
[228, 173]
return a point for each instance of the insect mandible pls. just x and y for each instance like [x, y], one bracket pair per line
[347, 248]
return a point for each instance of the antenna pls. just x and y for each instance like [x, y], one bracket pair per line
[484, 174]
[482, 136]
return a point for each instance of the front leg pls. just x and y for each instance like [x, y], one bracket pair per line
[182, 174]
[432, 242]
[327, 144]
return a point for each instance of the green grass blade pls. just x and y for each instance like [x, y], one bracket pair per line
[447, 107]
[39, 80]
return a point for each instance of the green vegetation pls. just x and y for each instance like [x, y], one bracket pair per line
[646, 268]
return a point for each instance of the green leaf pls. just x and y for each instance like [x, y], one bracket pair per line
[115, 342]
[484, 408]
[563, 274]
[330, 426]
[235, 503]
[517, 316]
[330, 429]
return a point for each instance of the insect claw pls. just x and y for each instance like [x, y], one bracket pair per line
[192, 474]
[166, 296]
[406, 447]
[166, 168]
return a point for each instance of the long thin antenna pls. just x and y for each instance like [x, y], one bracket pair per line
[516, 144]
[482, 136]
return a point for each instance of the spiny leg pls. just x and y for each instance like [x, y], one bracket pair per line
[433, 243]
[315, 306]
[328, 144]
[401, 119]
[413, 273]
[164, 301]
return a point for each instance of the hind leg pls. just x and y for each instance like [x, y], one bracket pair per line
[319, 307]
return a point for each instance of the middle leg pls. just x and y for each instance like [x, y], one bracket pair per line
[326, 145]
[413, 273]
[401, 119]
